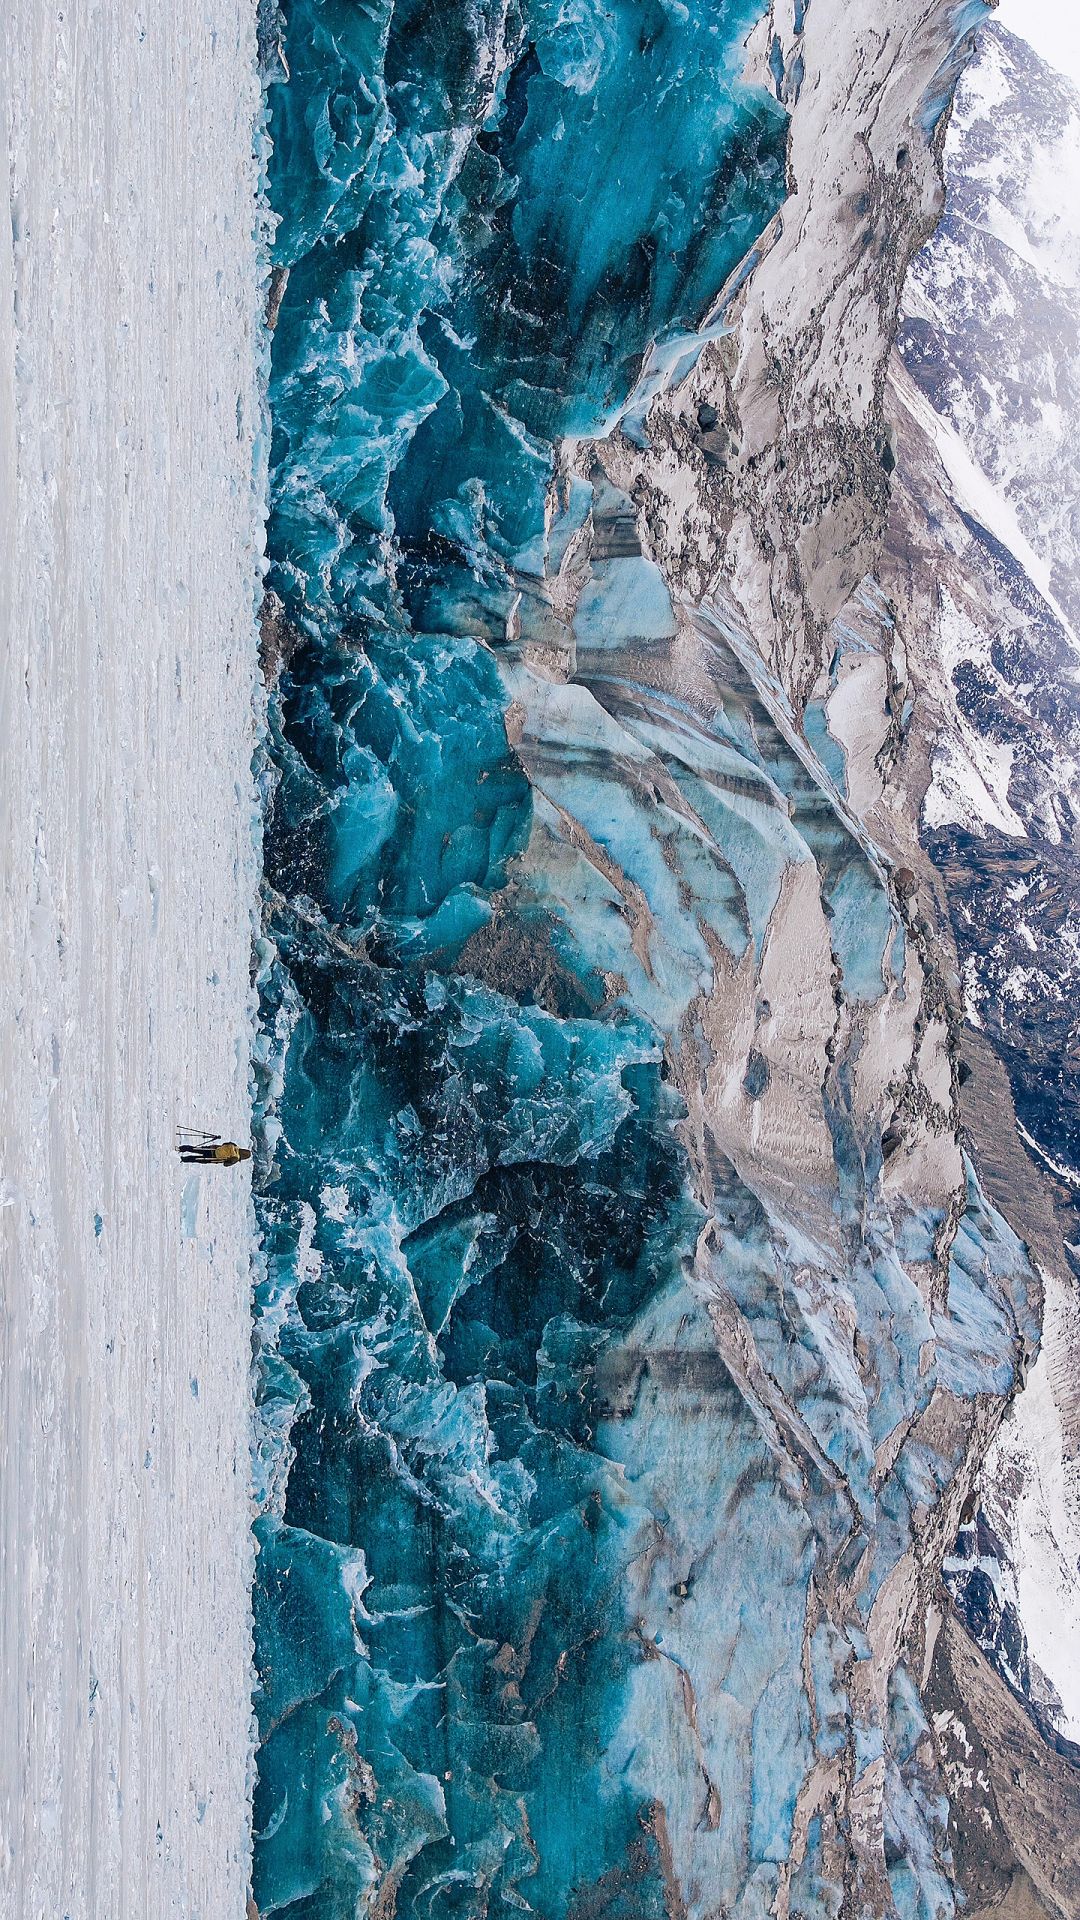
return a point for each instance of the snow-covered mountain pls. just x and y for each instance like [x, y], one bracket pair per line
[992, 341]
[991, 329]
[981, 574]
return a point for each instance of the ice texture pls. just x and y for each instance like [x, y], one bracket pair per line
[610, 1387]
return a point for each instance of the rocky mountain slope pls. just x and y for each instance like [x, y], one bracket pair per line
[990, 340]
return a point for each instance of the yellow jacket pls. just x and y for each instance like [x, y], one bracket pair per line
[228, 1153]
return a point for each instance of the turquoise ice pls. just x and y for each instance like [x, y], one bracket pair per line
[536, 1556]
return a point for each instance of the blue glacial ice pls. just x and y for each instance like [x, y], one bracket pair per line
[593, 1445]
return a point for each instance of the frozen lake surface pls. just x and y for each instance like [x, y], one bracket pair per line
[130, 537]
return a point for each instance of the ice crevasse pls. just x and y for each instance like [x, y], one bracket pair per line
[615, 1366]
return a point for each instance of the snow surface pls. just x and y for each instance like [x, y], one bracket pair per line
[975, 494]
[130, 432]
[1052, 27]
[1039, 1515]
[970, 785]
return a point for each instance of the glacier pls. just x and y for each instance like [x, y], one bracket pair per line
[632, 1319]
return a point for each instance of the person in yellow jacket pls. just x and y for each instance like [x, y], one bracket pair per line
[208, 1151]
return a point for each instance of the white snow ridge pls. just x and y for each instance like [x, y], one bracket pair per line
[130, 544]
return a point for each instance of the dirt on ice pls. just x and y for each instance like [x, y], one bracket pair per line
[130, 541]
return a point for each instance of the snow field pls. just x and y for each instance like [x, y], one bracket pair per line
[130, 543]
